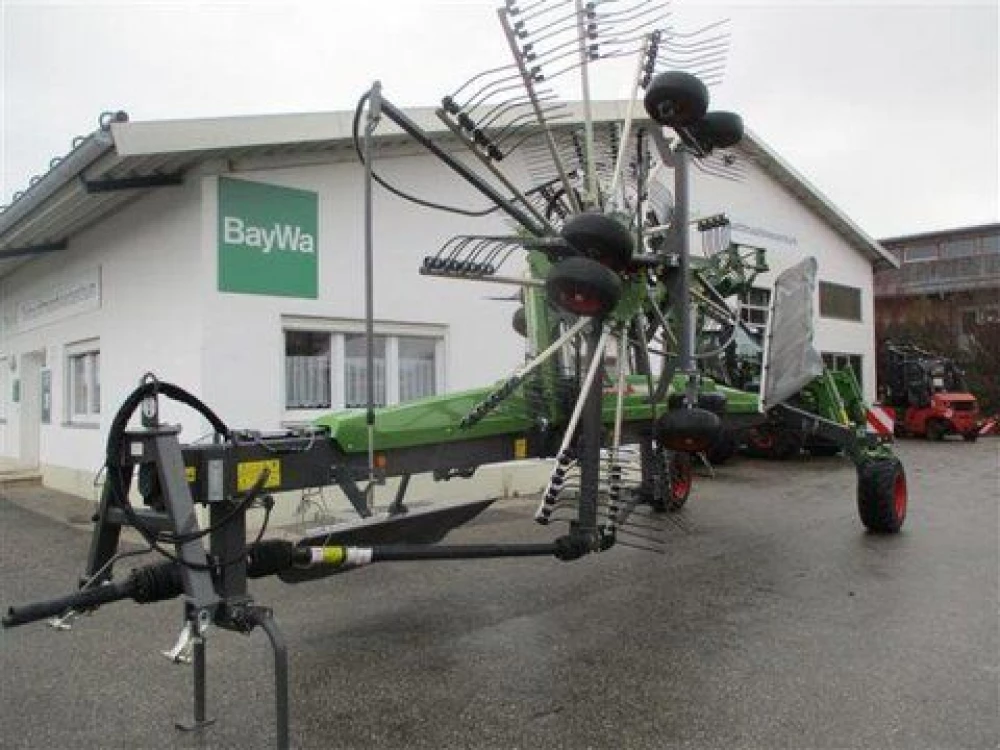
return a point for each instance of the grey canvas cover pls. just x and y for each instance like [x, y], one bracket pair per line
[790, 360]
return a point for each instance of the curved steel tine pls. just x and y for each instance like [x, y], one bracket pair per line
[502, 109]
[571, 14]
[513, 9]
[702, 29]
[481, 74]
[484, 94]
[694, 56]
[537, 13]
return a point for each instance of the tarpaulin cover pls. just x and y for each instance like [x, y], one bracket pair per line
[790, 361]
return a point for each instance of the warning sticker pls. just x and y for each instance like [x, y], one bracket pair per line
[190, 474]
[248, 473]
[521, 448]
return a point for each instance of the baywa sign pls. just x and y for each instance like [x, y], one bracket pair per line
[268, 240]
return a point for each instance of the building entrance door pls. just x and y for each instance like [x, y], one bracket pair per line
[31, 407]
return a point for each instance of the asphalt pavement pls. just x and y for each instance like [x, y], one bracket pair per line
[771, 620]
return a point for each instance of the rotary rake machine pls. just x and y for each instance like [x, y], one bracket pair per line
[616, 315]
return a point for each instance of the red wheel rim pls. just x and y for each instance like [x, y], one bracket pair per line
[899, 496]
[680, 479]
[763, 441]
[580, 303]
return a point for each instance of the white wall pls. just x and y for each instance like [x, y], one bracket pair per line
[762, 203]
[147, 321]
[243, 363]
[160, 310]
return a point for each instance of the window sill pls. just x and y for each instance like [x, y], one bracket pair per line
[81, 425]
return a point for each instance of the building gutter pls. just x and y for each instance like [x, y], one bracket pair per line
[70, 167]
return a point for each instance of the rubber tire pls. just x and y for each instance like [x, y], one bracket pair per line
[687, 429]
[681, 475]
[676, 99]
[600, 237]
[718, 130]
[787, 445]
[970, 437]
[583, 287]
[878, 485]
[722, 449]
[681, 478]
[519, 321]
[936, 429]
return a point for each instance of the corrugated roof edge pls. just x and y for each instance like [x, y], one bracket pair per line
[89, 150]
[178, 136]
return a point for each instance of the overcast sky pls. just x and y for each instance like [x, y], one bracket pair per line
[890, 108]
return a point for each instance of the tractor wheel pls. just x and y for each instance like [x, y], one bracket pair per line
[787, 445]
[583, 286]
[882, 496]
[520, 321]
[676, 99]
[676, 490]
[970, 437]
[722, 449]
[599, 237]
[686, 429]
[760, 443]
[936, 429]
[718, 130]
[681, 478]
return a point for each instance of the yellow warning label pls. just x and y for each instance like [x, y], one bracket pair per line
[248, 473]
[521, 448]
[190, 474]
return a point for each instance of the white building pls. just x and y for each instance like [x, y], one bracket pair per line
[120, 261]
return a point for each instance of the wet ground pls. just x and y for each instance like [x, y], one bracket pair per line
[772, 620]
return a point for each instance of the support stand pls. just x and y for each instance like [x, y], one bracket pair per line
[200, 701]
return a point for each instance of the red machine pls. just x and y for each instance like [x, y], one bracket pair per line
[929, 395]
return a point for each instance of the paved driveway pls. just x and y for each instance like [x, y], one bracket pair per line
[772, 621]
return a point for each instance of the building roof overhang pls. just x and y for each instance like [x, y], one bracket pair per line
[122, 161]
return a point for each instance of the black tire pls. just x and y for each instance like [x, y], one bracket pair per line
[583, 287]
[718, 130]
[681, 478]
[600, 237]
[676, 99]
[936, 429]
[689, 430]
[722, 449]
[970, 437]
[882, 495]
[676, 490]
[760, 443]
[519, 321]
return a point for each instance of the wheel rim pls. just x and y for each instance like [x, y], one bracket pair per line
[899, 496]
[577, 301]
[680, 479]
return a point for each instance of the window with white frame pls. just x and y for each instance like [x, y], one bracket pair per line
[326, 363]
[754, 307]
[307, 370]
[83, 381]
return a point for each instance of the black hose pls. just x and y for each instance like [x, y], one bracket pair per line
[356, 134]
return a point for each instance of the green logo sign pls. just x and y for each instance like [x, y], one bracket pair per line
[268, 243]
